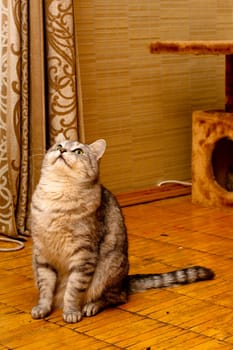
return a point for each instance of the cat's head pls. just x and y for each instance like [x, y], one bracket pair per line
[74, 160]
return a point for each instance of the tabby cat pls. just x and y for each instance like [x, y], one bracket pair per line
[80, 248]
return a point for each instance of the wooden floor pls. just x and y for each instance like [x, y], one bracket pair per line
[163, 235]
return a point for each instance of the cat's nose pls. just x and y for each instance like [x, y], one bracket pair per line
[62, 150]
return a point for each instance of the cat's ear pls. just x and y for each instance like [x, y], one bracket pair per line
[60, 137]
[98, 147]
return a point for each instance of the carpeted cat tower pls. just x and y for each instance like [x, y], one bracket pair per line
[212, 131]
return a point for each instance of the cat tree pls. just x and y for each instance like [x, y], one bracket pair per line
[212, 131]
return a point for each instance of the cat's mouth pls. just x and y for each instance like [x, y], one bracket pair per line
[63, 159]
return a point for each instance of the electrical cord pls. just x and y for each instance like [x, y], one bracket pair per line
[19, 245]
[184, 183]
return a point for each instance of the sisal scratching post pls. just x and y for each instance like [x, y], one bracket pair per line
[212, 158]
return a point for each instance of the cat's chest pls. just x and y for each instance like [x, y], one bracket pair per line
[56, 248]
[52, 216]
[59, 227]
[58, 235]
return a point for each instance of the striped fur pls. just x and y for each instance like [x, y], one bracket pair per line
[141, 282]
[80, 248]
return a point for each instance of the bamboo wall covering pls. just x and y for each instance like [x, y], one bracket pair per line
[141, 103]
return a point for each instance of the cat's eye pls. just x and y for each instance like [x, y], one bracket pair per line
[78, 151]
[58, 147]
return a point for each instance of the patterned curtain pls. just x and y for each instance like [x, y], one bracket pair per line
[39, 97]
[61, 69]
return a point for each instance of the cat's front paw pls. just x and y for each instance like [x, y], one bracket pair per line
[72, 316]
[91, 309]
[39, 311]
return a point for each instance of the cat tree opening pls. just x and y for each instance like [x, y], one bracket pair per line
[222, 163]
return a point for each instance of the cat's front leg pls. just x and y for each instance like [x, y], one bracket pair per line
[46, 281]
[74, 297]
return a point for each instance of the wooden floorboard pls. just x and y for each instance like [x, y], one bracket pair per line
[163, 235]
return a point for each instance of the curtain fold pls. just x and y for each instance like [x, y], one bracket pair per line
[40, 94]
[61, 69]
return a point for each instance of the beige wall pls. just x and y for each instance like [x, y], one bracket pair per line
[142, 103]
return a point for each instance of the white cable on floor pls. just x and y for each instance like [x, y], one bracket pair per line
[20, 245]
[184, 183]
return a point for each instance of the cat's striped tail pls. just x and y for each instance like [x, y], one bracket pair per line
[141, 282]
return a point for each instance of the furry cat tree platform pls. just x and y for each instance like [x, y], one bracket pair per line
[212, 158]
[199, 47]
[212, 148]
